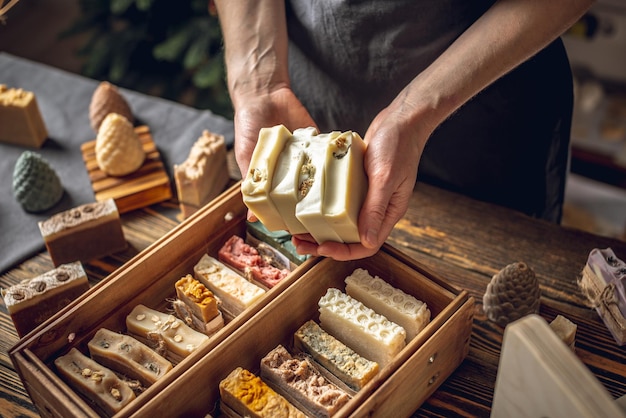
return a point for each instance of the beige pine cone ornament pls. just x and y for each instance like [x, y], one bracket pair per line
[512, 293]
[118, 149]
[107, 99]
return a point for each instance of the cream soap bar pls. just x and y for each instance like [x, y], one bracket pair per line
[94, 381]
[33, 301]
[204, 174]
[365, 331]
[403, 309]
[301, 383]
[128, 356]
[249, 396]
[174, 338]
[20, 119]
[257, 184]
[233, 290]
[351, 368]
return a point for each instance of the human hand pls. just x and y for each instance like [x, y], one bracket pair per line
[394, 148]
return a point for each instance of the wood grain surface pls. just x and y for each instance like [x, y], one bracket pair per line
[462, 240]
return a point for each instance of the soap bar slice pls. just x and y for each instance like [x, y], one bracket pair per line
[301, 383]
[128, 356]
[249, 396]
[365, 331]
[346, 185]
[175, 340]
[351, 368]
[257, 184]
[565, 330]
[204, 174]
[33, 301]
[198, 297]
[83, 233]
[281, 240]
[20, 119]
[235, 292]
[403, 309]
[94, 381]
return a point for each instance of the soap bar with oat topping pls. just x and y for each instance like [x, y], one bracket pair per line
[94, 381]
[33, 301]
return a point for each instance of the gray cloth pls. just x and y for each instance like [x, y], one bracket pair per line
[64, 99]
[509, 145]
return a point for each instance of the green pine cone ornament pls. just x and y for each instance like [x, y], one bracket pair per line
[36, 186]
[511, 294]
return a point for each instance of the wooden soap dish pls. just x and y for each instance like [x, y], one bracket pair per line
[146, 186]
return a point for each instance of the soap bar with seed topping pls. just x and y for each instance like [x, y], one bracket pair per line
[128, 356]
[351, 368]
[33, 301]
[257, 183]
[86, 232]
[397, 306]
[173, 339]
[232, 289]
[301, 383]
[203, 175]
[247, 395]
[94, 381]
[20, 119]
[365, 331]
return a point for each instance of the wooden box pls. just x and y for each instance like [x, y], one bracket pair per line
[191, 388]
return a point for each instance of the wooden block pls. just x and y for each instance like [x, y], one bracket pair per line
[146, 186]
[539, 376]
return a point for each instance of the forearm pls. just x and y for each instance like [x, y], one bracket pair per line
[505, 36]
[255, 44]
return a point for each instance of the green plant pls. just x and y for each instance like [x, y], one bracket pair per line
[160, 47]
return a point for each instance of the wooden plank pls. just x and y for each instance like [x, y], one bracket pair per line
[148, 185]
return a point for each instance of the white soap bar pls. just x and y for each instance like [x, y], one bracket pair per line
[313, 181]
[170, 333]
[403, 309]
[346, 185]
[234, 291]
[257, 184]
[368, 333]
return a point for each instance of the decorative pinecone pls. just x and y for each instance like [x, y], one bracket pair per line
[118, 149]
[512, 293]
[36, 186]
[107, 99]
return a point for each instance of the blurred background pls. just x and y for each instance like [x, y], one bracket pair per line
[173, 50]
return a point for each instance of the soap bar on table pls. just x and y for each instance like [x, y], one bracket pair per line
[128, 356]
[20, 119]
[33, 301]
[94, 381]
[86, 232]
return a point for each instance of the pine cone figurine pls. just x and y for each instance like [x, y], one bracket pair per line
[107, 99]
[36, 186]
[118, 149]
[512, 293]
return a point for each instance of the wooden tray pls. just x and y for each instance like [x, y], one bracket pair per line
[149, 279]
[148, 185]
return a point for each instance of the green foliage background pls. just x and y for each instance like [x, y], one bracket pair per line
[171, 49]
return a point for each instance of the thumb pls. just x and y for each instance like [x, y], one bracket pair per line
[372, 216]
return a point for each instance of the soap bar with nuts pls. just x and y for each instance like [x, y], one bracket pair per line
[128, 356]
[89, 231]
[33, 301]
[170, 336]
[94, 381]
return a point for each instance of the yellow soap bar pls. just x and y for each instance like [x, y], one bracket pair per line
[20, 119]
[94, 381]
[176, 338]
[128, 356]
[198, 297]
[257, 184]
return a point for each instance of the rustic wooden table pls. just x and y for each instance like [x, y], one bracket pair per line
[463, 240]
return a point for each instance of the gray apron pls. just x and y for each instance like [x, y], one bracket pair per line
[508, 145]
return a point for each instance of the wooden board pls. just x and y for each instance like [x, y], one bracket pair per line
[146, 186]
[539, 376]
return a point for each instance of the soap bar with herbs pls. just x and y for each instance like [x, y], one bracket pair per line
[94, 381]
[128, 356]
